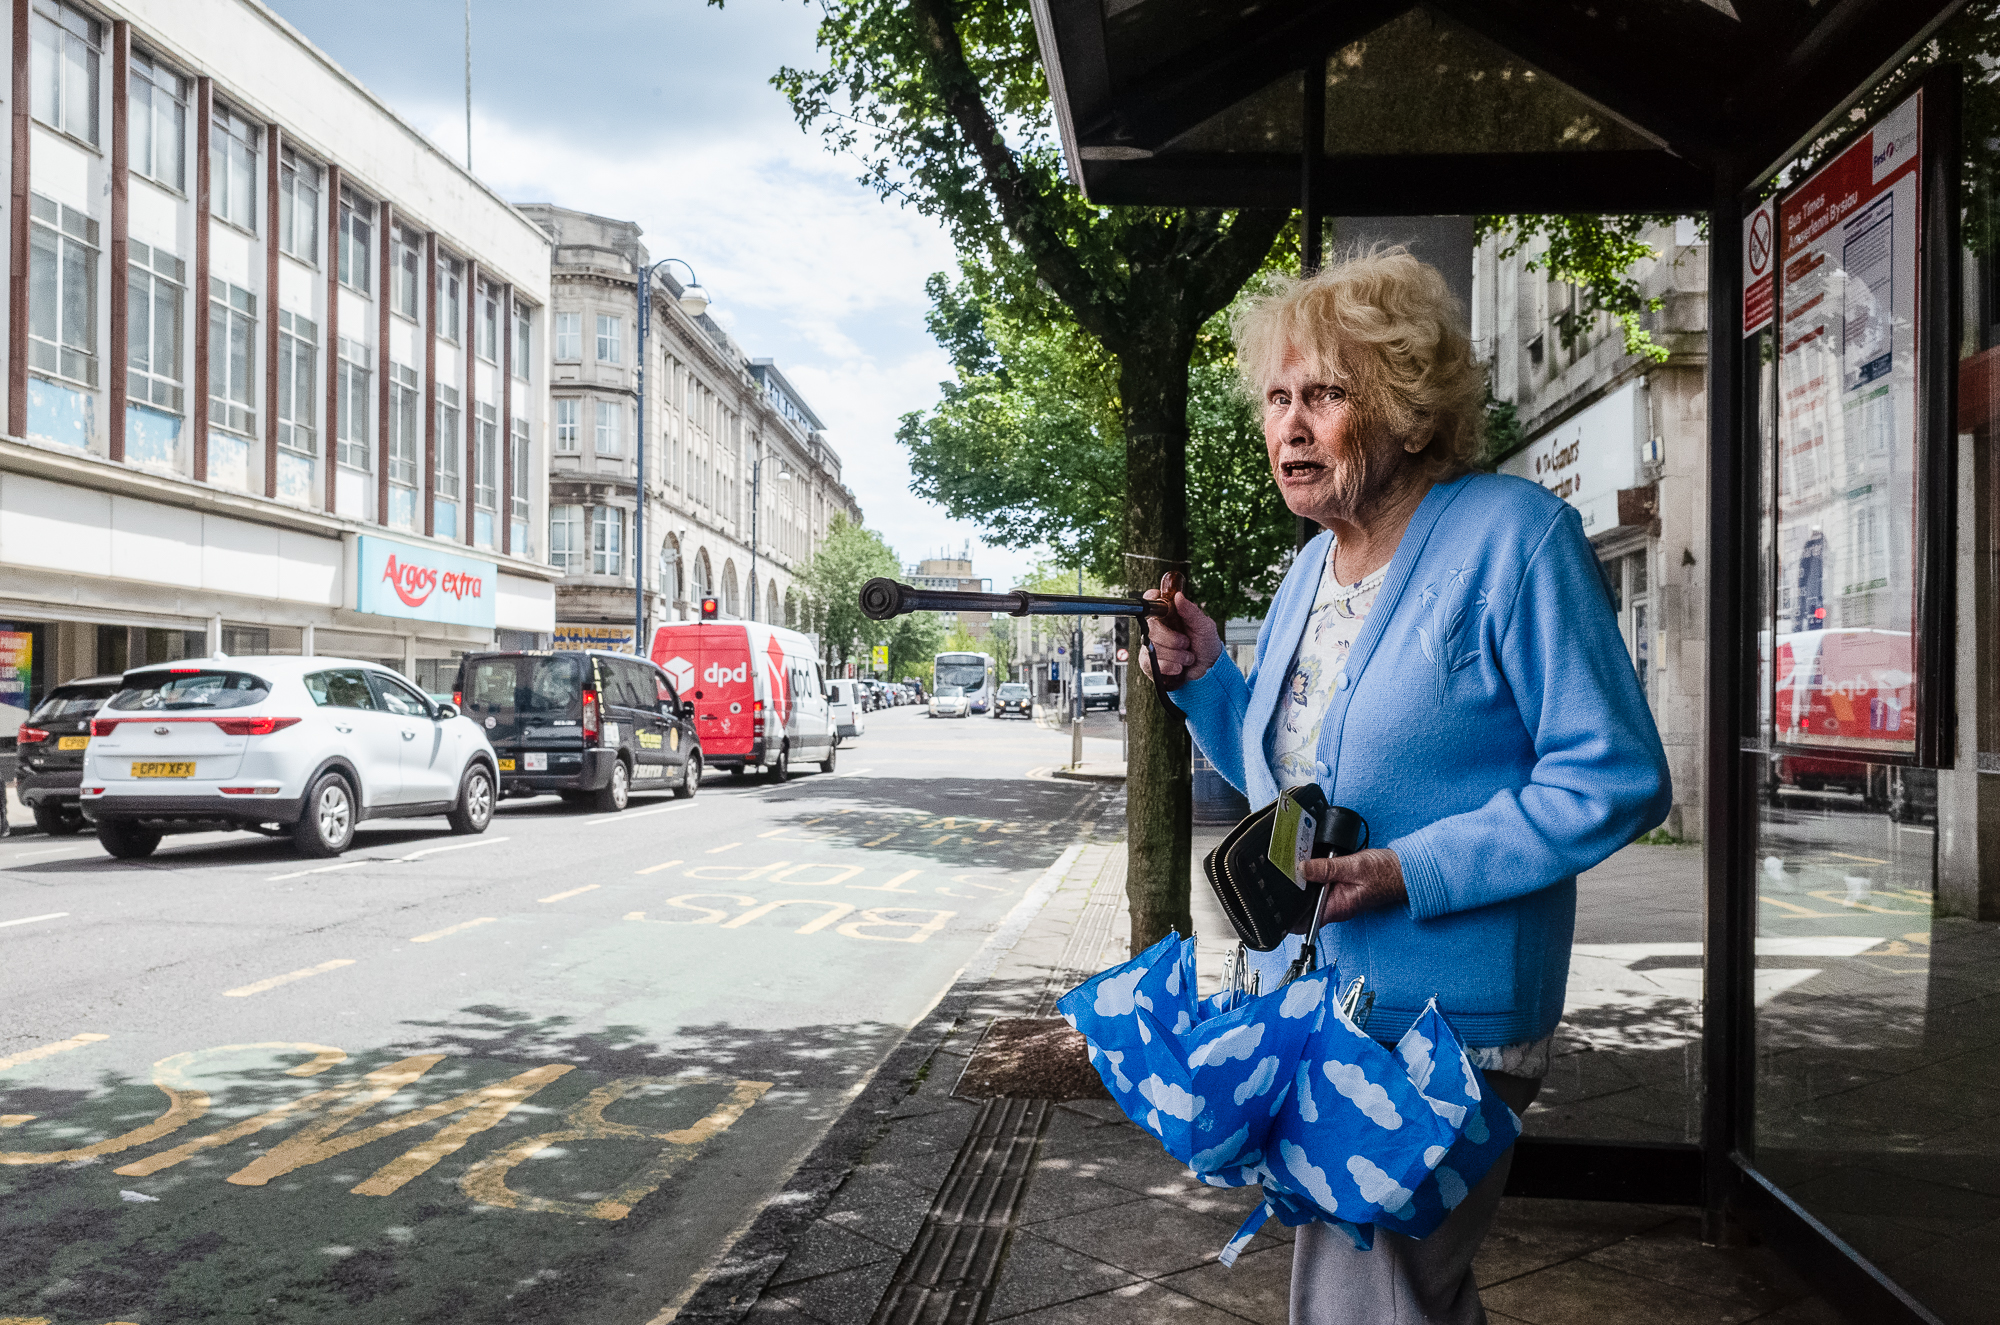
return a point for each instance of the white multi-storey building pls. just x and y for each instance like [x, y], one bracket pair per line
[722, 430]
[276, 375]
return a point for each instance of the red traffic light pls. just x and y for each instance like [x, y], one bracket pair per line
[710, 609]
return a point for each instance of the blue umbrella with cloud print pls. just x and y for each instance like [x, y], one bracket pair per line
[1208, 1084]
[1286, 1092]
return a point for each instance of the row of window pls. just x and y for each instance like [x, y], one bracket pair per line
[590, 540]
[569, 338]
[64, 73]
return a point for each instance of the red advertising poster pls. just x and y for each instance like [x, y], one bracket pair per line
[17, 661]
[1845, 665]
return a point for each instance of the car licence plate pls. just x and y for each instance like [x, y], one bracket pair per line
[506, 765]
[536, 762]
[72, 742]
[160, 770]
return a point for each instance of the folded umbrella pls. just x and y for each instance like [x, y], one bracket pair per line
[1208, 1084]
[1285, 1091]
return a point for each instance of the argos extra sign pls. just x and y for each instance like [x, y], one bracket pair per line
[423, 584]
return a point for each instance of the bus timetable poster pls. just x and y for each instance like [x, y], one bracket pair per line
[1845, 667]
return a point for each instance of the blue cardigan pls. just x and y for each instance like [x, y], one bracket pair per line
[1489, 727]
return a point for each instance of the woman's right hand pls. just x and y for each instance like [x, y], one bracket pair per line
[1187, 652]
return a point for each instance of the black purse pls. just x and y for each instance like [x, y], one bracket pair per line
[1255, 871]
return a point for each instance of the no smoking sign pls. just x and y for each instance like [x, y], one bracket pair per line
[1759, 250]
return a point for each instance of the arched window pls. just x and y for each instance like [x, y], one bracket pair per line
[670, 569]
[704, 581]
[771, 604]
[791, 609]
[730, 606]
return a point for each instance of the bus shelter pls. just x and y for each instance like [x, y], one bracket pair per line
[1842, 1058]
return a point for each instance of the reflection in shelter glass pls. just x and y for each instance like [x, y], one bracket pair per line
[1877, 953]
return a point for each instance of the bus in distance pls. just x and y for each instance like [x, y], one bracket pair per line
[971, 672]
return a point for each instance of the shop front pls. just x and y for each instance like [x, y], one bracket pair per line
[101, 572]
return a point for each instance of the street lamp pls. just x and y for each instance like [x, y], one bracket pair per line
[693, 302]
[756, 509]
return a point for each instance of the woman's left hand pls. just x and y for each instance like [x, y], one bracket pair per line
[1370, 880]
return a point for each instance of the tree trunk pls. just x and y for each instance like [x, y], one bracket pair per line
[1159, 786]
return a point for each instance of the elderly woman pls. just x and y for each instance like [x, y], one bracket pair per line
[1443, 659]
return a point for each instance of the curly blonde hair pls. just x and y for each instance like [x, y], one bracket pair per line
[1385, 326]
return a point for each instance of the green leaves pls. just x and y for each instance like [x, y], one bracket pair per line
[851, 556]
[1029, 442]
[1596, 254]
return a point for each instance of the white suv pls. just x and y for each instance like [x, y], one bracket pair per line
[302, 746]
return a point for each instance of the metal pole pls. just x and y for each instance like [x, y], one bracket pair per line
[756, 479]
[1076, 682]
[639, 479]
[468, 86]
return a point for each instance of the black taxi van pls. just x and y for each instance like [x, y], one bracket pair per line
[589, 726]
[51, 744]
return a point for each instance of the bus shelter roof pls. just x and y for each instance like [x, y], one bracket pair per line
[1454, 106]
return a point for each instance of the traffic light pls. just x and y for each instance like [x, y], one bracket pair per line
[710, 609]
[1121, 632]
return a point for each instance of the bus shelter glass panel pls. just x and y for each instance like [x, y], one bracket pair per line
[1878, 940]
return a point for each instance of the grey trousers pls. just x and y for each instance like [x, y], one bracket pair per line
[1402, 1281]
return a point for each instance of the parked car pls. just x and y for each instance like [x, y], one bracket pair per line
[950, 702]
[1013, 697]
[590, 726]
[305, 747]
[760, 701]
[1100, 691]
[843, 708]
[51, 745]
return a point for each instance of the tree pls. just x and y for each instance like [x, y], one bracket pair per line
[1028, 441]
[913, 641]
[946, 104]
[850, 556]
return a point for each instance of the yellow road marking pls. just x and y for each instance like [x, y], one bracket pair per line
[59, 1047]
[890, 886]
[774, 832]
[452, 929]
[940, 841]
[878, 841]
[728, 846]
[1866, 860]
[655, 869]
[245, 991]
[574, 891]
[833, 912]
[186, 1102]
[16, 1119]
[486, 1181]
[840, 874]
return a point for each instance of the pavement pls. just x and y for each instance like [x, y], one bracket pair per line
[934, 1202]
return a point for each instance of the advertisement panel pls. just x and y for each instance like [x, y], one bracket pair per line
[1587, 459]
[424, 584]
[1847, 446]
[17, 670]
[577, 637]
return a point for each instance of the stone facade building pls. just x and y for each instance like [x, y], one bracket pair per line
[722, 429]
[1624, 439]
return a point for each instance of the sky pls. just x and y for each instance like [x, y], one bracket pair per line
[661, 112]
